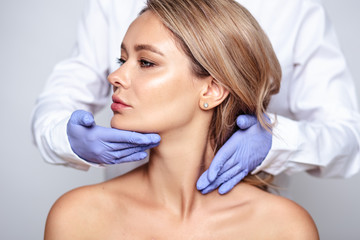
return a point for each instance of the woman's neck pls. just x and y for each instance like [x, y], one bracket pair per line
[176, 164]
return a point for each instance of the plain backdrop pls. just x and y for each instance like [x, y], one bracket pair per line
[35, 35]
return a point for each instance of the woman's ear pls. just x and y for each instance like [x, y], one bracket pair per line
[213, 94]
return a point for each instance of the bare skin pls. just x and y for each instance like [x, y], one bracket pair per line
[128, 208]
[159, 200]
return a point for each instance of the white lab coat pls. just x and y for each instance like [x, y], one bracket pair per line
[318, 121]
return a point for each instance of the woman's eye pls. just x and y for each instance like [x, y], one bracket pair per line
[146, 64]
[120, 61]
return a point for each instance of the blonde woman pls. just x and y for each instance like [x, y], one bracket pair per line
[200, 59]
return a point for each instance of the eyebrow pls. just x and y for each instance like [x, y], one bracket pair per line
[147, 47]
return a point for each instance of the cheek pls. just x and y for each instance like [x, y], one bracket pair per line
[163, 88]
[167, 104]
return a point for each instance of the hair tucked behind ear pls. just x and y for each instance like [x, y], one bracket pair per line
[223, 40]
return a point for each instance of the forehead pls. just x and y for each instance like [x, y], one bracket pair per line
[148, 29]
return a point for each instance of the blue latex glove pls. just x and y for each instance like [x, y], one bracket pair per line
[102, 145]
[242, 153]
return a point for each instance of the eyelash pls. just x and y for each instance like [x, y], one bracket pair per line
[120, 61]
[143, 63]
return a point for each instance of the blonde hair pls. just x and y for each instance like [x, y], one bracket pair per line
[224, 40]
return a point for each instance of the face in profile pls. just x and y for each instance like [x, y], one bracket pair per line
[154, 88]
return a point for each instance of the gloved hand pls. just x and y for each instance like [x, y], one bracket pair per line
[102, 145]
[242, 153]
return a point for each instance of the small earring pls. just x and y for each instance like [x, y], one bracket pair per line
[206, 105]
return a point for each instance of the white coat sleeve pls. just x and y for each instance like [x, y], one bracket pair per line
[322, 136]
[76, 83]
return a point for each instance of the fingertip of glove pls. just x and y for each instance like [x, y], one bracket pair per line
[212, 175]
[82, 117]
[199, 186]
[87, 120]
[146, 139]
[241, 121]
[202, 183]
[138, 156]
[246, 121]
[205, 191]
[208, 189]
[223, 190]
[155, 138]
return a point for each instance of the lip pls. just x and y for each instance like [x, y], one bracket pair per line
[119, 104]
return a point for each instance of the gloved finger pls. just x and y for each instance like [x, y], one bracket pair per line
[203, 181]
[221, 179]
[222, 156]
[210, 188]
[227, 186]
[126, 152]
[122, 136]
[118, 147]
[151, 145]
[230, 163]
[81, 117]
[131, 158]
[245, 121]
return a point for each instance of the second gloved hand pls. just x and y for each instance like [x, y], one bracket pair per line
[102, 145]
[242, 153]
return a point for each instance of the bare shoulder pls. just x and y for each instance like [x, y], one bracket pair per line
[87, 212]
[71, 215]
[283, 218]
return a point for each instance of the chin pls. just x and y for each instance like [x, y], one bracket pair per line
[128, 125]
[118, 124]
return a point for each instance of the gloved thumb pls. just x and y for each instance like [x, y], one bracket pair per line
[246, 121]
[81, 117]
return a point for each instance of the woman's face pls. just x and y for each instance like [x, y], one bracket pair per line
[154, 88]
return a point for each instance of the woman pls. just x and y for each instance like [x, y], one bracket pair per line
[188, 68]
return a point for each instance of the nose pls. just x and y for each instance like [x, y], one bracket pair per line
[119, 78]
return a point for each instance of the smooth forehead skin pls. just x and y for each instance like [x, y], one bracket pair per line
[148, 29]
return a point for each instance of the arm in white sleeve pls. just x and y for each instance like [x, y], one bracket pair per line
[322, 133]
[77, 83]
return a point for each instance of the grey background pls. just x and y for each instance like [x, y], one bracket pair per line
[35, 35]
